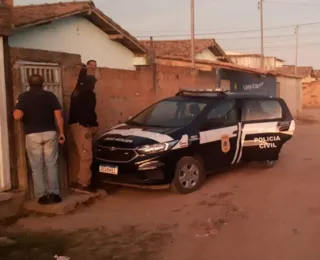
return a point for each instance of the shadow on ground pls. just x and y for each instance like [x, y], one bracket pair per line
[125, 244]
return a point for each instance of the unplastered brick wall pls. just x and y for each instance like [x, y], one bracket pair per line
[311, 94]
[121, 94]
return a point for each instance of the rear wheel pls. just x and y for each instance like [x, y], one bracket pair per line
[189, 175]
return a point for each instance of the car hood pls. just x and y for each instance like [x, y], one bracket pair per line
[131, 136]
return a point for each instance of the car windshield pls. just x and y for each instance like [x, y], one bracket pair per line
[170, 113]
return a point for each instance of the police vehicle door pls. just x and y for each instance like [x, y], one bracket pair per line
[260, 135]
[219, 134]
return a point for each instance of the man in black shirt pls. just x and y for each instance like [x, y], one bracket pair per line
[83, 124]
[40, 111]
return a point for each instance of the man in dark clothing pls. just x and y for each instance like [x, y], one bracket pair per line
[83, 124]
[91, 64]
[39, 111]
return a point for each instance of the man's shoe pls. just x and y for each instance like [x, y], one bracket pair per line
[54, 198]
[43, 200]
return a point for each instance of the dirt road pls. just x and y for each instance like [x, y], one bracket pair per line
[247, 214]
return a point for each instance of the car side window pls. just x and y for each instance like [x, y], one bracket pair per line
[261, 110]
[225, 110]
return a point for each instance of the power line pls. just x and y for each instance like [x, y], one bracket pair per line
[268, 36]
[277, 47]
[233, 32]
[292, 3]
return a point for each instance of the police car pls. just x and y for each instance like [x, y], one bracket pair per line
[180, 139]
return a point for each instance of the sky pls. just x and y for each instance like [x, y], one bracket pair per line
[235, 24]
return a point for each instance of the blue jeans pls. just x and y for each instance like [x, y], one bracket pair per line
[42, 149]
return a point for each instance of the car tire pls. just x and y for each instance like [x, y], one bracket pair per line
[189, 175]
[269, 164]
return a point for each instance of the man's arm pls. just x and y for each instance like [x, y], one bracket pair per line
[60, 123]
[18, 110]
[58, 117]
[17, 114]
[92, 108]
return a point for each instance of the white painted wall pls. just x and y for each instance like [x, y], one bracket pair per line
[255, 62]
[5, 180]
[291, 92]
[206, 55]
[76, 35]
[279, 63]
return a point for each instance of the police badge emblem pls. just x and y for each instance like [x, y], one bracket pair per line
[225, 143]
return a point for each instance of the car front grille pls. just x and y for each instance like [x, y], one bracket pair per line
[114, 154]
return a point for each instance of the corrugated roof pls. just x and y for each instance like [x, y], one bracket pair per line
[30, 15]
[182, 48]
[301, 71]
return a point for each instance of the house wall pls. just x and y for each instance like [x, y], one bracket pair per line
[206, 55]
[75, 35]
[308, 79]
[290, 89]
[279, 63]
[254, 61]
[311, 95]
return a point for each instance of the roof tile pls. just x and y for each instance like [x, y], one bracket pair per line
[29, 14]
[179, 48]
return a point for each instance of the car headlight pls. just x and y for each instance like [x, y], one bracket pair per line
[156, 148]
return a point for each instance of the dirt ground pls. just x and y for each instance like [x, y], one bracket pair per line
[246, 214]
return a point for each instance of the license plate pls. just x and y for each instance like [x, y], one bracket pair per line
[108, 169]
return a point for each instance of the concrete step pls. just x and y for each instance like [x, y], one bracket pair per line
[11, 203]
[69, 203]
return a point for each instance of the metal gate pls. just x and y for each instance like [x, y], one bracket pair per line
[51, 74]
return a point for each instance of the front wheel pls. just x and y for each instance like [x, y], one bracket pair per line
[269, 164]
[189, 175]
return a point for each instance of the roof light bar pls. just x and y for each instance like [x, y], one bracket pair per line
[219, 92]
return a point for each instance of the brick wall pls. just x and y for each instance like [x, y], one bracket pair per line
[311, 94]
[121, 94]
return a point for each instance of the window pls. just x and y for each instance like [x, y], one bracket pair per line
[169, 113]
[224, 110]
[262, 110]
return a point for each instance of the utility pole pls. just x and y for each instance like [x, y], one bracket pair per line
[153, 64]
[261, 24]
[192, 35]
[297, 46]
